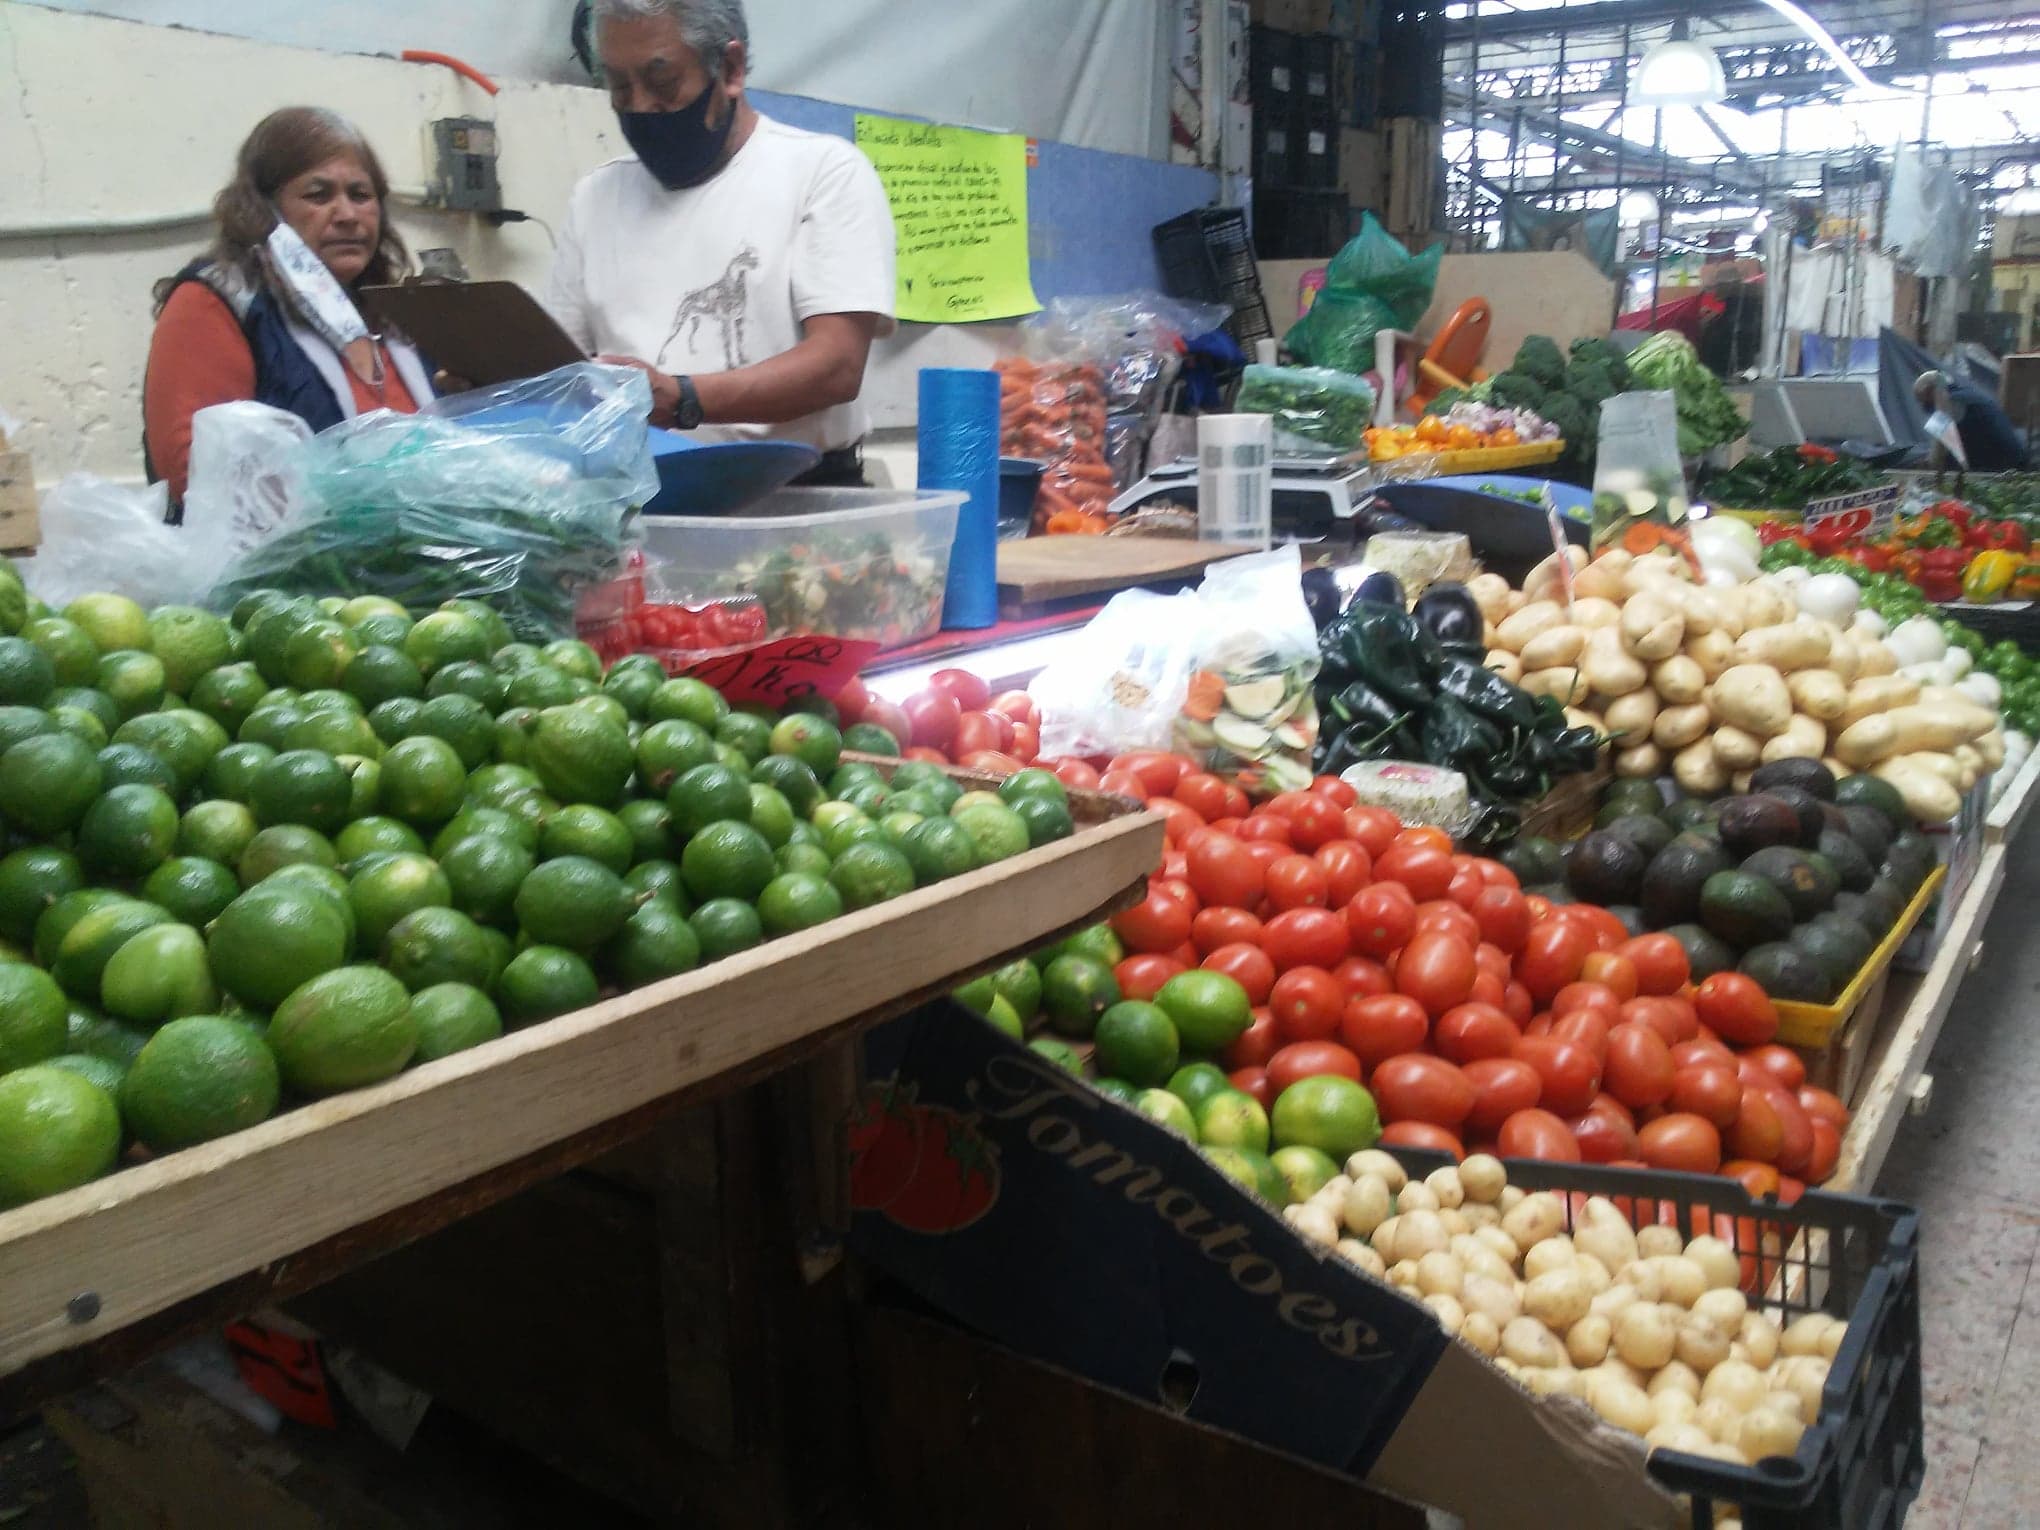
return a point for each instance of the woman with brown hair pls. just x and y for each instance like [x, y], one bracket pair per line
[268, 313]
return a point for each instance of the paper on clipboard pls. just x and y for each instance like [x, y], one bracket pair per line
[484, 332]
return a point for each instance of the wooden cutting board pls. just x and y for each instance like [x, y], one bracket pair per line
[1039, 570]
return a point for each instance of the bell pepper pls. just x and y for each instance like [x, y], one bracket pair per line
[1943, 586]
[2026, 582]
[1989, 575]
[1907, 564]
[1808, 452]
[1951, 560]
[1876, 558]
[2009, 535]
[1829, 537]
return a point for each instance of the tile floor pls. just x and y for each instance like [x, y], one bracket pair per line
[1968, 1164]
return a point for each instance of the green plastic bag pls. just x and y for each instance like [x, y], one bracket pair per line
[1371, 285]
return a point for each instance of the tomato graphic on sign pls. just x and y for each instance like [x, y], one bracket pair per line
[926, 1168]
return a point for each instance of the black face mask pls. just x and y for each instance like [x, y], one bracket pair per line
[679, 147]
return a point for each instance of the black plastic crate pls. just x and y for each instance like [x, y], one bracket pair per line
[1859, 1463]
[1208, 256]
[1357, 90]
[1316, 136]
[1413, 61]
[2021, 624]
[1317, 67]
[1301, 225]
[1272, 68]
[1277, 158]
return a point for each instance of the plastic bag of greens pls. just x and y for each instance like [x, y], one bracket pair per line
[1317, 411]
[515, 495]
[1373, 284]
[1639, 486]
[1248, 712]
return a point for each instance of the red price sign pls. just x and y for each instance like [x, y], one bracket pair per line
[1867, 515]
[784, 670]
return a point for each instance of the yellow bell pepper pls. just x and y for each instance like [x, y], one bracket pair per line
[1990, 574]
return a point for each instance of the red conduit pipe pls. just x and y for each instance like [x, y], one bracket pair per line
[468, 71]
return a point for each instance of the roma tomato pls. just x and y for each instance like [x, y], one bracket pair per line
[1586, 1028]
[1736, 1009]
[1469, 1032]
[1306, 937]
[1417, 1087]
[1436, 970]
[1246, 965]
[1380, 1026]
[1570, 1073]
[1347, 868]
[1316, 821]
[1517, 1003]
[926, 755]
[1491, 961]
[1503, 917]
[891, 716]
[1256, 1044]
[1017, 705]
[1827, 1151]
[1702, 1050]
[1026, 744]
[1179, 822]
[1297, 881]
[1495, 874]
[1266, 852]
[1310, 1059]
[1551, 957]
[969, 692]
[1759, 1130]
[1660, 963]
[1612, 971]
[1782, 1063]
[1270, 827]
[1422, 867]
[1222, 872]
[933, 717]
[1537, 1133]
[1795, 1133]
[1708, 1090]
[1502, 1086]
[1141, 977]
[1223, 926]
[1237, 803]
[1123, 783]
[1487, 989]
[1607, 931]
[1443, 915]
[1639, 1069]
[1575, 997]
[1466, 884]
[991, 761]
[1680, 1141]
[1203, 793]
[978, 731]
[1673, 1019]
[1308, 1003]
[1604, 1137]
[1823, 1106]
[1422, 1134]
[1254, 1081]
[1760, 1179]
[1373, 828]
[851, 701]
[1159, 922]
[1075, 774]
[1362, 977]
[1158, 771]
[1341, 792]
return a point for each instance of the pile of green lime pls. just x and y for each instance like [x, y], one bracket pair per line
[267, 855]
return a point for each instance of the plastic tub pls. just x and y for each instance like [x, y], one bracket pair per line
[850, 563]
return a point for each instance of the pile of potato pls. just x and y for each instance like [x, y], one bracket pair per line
[1709, 681]
[1647, 1327]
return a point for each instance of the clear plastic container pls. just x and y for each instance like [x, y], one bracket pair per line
[851, 563]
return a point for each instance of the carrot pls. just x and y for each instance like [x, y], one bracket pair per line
[1205, 696]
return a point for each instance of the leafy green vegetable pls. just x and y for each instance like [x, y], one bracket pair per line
[1707, 416]
[1785, 479]
[1313, 407]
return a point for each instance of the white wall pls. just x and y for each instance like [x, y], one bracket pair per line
[1088, 72]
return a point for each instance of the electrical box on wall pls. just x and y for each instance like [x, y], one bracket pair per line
[462, 152]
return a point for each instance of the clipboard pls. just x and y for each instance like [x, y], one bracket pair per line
[485, 332]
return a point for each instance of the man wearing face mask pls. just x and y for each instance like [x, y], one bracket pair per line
[744, 265]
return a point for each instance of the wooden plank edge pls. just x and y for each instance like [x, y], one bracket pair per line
[2008, 814]
[1905, 1050]
[150, 1236]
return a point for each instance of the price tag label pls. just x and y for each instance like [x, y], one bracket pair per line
[784, 670]
[1867, 515]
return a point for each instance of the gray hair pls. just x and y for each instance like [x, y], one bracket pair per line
[709, 26]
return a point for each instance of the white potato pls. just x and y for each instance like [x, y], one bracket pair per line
[1558, 1298]
[1677, 1376]
[1446, 1186]
[1419, 1233]
[1803, 1334]
[1505, 1247]
[1547, 1381]
[1721, 1419]
[1498, 1299]
[1315, 1223]
[1483, 1178]
[1681, 1281]
[1455, 1221]
[1768, 1432]
[1688, 1439]
[1657, 1241]
[1416, 1196]
[1758, 1335]
[1610, 1303]
[1449, 1312]
[1734, 1383]
[1702, 1345]
[1480, 1331]
[1672, 1405]
[1645, 1335]
[1529, 1343]
[1606, 1234]
[1366, 1205]
[1511, 1197]
[1724, 1307]
[1623, 1405]
[1555, 1253]
[1382, 1166]
[1358, 1253]
[1478, 1215]
[1440, 1274]
[1384, 1235]
[1403, 1273]
[1534, 1218]
[1716, 1260]
[1586, 1342]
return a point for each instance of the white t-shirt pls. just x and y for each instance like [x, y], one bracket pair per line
[720, 275]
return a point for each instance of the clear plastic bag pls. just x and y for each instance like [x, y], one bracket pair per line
[1248, 713]
[109, 537]
[247, 475]
[1121, 687]
[1373, 284]
[1638, 479]
[516, 495]
[1318, 412]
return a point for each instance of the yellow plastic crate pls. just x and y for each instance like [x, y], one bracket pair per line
[1494, 459]
[1814, 1025]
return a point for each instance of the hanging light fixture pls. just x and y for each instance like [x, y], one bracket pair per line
[1636, 208]
[1679, 72]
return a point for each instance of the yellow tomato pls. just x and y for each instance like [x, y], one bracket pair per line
[1432, 429]
[1460, 437]
[1506, 436]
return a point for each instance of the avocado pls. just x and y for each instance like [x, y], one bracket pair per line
[1807, 775]
[1870, 829]
[1649, 835]
[1632, 796]
[1786, 972]
[1841, 933]
[1853, 868]
[1757, 822]
[1551, 892]
[1833, 820]
[1886, 900]
[1808, 883]
[1672, 881]
[1744, 909]
[1534, 859]
[1631, 917]
[1605, 867]
[1908, 862]
[1871, 791]
[1858, 909]
[1811, 810]
[1706, 952]
[1686, 813]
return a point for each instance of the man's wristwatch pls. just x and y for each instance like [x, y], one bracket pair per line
[687, 411]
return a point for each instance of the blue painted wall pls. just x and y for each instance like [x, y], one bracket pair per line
[1089, 213]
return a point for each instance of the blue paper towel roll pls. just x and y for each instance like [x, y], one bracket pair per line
[959, 443]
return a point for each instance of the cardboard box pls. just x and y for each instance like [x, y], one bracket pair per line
[1360, 167]
[1958, 845]
[20, 520]
[1019, 1201]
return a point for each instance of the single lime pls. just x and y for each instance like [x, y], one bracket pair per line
[543, 981]
[484, 872]
[451, 1017]
[655, 942]
[573, 902]
[160, 974]
[57, 1131]
[725, 926]
[341, 1030]
[193, 890]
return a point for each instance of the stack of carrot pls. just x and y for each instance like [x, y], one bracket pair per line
[1054, 412]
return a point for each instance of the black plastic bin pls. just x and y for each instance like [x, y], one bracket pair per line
[1208, 256]
[1859, 1463]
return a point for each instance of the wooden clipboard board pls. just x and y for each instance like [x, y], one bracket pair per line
[484, 332]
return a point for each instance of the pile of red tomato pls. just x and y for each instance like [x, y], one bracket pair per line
[1482, 1018]
[956, 720]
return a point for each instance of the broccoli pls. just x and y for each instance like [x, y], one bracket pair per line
[1539, 357]
[1445, 399]
[1576, 422]
[1591, 382]
[1594, 351]
[1516, 390]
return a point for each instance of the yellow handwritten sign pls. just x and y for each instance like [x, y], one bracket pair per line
[959, 206]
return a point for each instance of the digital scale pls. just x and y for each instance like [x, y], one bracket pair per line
[1314, 497]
